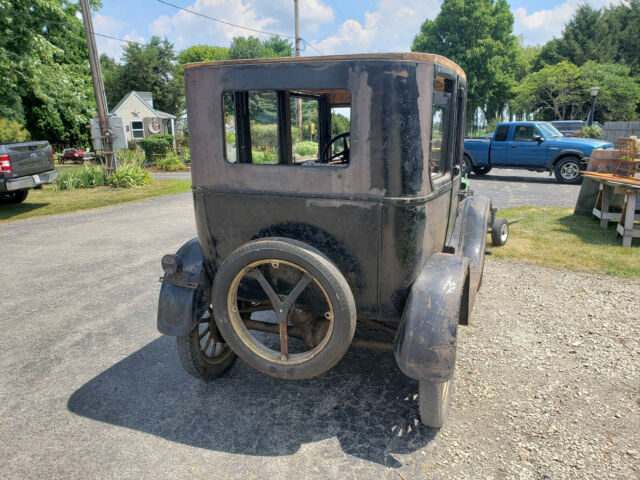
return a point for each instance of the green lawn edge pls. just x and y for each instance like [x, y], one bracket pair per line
[554, 237]
[50, 201]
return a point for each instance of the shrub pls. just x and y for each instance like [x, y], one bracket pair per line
[158, 144]
[130, 157]
[186, 154]
[260, 157]
[306, 148]
[129, 176]
[132, 145]
[264, 137]
[231, 138]
[85, 177]
[12, 131]
[593, 131]
[94, 176]
[170, 163]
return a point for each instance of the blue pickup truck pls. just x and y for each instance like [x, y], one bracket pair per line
[536, 146]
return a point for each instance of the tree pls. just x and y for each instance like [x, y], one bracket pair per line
[111, 73]
[561, 91]
[202, 53]
[152, 68]
[476, 34]
[252, 47]
[551, 92]
[46, 83]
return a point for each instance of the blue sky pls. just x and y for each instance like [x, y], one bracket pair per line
[331, 26]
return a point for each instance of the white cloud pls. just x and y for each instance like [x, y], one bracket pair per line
[390, 28]
[541, 26]
[112, 26]
[276, 16]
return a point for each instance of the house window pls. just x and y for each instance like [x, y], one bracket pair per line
[261, 127]
[137, 130]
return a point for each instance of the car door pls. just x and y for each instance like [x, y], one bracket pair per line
[528, 148]
[498, 154]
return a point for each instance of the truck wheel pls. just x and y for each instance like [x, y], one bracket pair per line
[18, 196]
[284, 308]
[467, 166]
[499, 232]
[433, 402]
[481, 170]
[203, 353]
[567, 170]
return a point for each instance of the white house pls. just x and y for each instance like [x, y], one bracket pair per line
[140, 118]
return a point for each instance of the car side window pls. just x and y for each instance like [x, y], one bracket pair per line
[501, 133]
[525, 133]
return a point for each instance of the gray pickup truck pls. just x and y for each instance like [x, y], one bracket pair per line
[23, 166]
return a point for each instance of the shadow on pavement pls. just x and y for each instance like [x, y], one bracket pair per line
[364, 402]
[11, 210]
[542, 179]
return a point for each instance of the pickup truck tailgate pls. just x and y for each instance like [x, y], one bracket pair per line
[28, 158]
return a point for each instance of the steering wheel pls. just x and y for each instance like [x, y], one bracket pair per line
[339, 157]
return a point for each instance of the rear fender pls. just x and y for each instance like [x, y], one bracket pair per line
[185, 295]
[476, 215]
[425, 345]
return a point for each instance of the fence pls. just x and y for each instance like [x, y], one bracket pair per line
[614, 130]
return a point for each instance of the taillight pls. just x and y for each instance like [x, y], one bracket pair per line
[5, 164]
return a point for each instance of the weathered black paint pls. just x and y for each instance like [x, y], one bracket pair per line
[381, 219]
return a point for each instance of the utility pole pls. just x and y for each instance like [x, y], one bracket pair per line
[98, 86]
[298, 100]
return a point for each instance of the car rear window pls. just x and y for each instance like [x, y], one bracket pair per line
[501, 133]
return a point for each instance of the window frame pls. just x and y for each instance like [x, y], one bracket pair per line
[134, 130]
[283, 121]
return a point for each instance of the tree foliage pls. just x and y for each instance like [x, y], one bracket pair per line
[202, 53]
[150, 68]
[478, 35]
[561, 91]
[46, 83]
[252, 47]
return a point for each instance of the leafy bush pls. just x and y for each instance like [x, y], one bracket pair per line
[129, 176]
[593, 131]
[85, 177]
[12, 131]
[158, 144]
[186, 154]
[130, 157]
[306, 148]
[231, 138]
[264, 137]
[132, 145]
[94, 176]
[259, 157]
[170, 163]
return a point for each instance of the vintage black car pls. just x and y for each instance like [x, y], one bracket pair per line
[327, 201]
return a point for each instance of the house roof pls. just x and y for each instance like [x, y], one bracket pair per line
[143, 97]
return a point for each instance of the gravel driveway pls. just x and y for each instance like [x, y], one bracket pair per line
[547, 382]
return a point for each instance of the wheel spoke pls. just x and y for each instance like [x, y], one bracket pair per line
[297, 290]
[284, 341]
[203, 333]
[268, 289]
[206, 344]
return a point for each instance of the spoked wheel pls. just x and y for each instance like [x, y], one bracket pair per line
[284, 308]
[433, 402]
[203, 352]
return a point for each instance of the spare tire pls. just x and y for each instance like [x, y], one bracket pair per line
[284, 289]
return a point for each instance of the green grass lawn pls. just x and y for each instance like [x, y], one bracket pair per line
[556, 238]
[50, 201]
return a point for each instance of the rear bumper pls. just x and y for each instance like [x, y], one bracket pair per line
[29, 181]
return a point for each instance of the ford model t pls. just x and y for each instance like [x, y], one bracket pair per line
[327, 201]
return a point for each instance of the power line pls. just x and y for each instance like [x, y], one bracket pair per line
[65, 24]
[263, 32]
[224, 21]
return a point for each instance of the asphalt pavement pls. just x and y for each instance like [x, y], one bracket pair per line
[90, 389]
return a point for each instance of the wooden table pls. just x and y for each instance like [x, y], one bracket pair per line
[608, 186]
